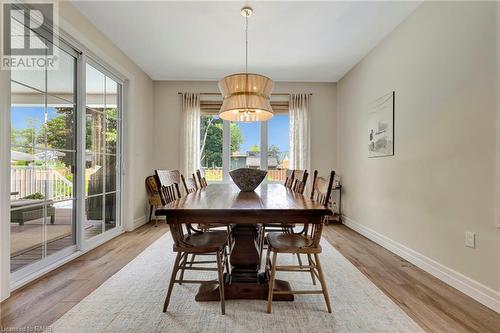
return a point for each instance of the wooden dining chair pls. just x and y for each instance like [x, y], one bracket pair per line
[189, 241]
[306, 243]
[166, 178]
[297, 185]
[289, 178]
[299, 180]
[202, 181]
[153, 196]
[189, 184]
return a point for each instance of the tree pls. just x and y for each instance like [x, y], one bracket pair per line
[211, 140]
[58, 132]
[22, 139]
[236, 137]
[275, 151]
[255, 149]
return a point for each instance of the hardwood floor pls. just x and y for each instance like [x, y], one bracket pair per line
[43, 301]
[435, 306]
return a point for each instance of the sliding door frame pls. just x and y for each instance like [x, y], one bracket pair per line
[86, 244]
[8, 282]
[25, 273]
[4, 184]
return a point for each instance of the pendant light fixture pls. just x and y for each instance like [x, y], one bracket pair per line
[246, 96]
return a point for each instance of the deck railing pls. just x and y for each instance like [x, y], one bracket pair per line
[216, 174]
[27, 180]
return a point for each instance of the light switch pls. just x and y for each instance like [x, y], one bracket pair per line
[470, 239]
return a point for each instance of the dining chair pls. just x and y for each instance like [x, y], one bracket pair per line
[201, 179]
[189, 184]
[296, 180]
[289, 178]
[166, 178]
[190, 241]
[153, 196]
[299, 180]
[306, 242]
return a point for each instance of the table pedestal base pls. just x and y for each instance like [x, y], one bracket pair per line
[210, 291]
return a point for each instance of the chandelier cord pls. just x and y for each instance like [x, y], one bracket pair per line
[246, 44]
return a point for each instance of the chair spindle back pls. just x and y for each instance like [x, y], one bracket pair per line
[289, 178]
[201, 179]
[322, 188]
[321, 192]
[300, 180]
[189, 184]
[173, 193]
[165, 179]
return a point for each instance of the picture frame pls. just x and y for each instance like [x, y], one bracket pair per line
[381, 116]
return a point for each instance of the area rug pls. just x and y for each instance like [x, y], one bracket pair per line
[132, 300]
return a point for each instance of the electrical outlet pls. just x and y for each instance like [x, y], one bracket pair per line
[470, 239]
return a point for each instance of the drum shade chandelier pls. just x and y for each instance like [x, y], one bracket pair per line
[246, 96]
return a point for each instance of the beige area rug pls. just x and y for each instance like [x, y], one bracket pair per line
[29, 236]
[132, 300]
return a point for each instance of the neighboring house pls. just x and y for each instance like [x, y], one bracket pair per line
[253, 161]
[238, 160]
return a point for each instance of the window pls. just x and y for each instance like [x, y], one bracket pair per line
[211, 138]
[245, 146]
[226, 146]
[278, 143]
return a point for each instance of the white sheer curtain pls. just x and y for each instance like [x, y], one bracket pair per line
[190, 160]
[300, 142]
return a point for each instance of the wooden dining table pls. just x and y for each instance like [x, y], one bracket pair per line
[245, 212]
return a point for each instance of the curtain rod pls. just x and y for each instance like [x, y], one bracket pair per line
[213, 93]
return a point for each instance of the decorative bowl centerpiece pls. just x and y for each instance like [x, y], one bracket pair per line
[246, 179]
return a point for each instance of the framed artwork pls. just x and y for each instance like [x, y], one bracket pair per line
[381, 126]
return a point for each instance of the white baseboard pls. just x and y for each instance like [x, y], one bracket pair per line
[139, 222]
[472, 288]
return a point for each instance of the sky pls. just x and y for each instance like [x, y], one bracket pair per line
[20, 114]
[278, 133]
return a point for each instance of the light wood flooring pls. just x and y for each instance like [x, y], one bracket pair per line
[435, 306]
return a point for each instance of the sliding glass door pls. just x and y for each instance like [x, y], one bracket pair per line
[43, 162]
[102, 151]
[65, 160]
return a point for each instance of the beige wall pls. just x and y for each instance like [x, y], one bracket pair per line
[497, 91]
[442, 64]
[498, 113]
[138, 122]
[168, 121]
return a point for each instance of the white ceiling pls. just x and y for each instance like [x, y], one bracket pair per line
[288, 41]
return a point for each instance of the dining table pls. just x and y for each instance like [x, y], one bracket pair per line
[245, 213]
